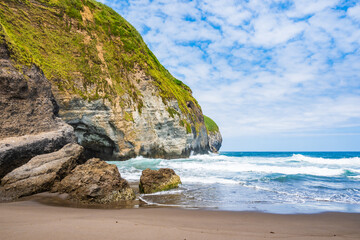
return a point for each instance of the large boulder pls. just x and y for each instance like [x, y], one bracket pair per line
[95, 182]
[41, 172]
[158, 180]
[16, 151]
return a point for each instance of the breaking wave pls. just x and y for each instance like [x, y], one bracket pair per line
[314, 180]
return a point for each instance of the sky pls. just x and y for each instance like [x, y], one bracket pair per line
[275, 75]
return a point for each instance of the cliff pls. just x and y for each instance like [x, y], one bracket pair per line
[29, 125]
[214, 135]
[105, 82]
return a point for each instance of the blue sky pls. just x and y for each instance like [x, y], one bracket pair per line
[275, 75]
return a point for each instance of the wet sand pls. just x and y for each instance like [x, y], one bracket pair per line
[33, 220]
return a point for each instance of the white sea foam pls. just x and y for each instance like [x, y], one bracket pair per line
[148, 202]
[305, 196]
[247, 167]
[212, 157]
[258, 187]
[169, 192]
[131, 174]
[208, 180]
[354, 161]
[354, 177]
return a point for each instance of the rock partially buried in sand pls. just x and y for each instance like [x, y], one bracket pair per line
[95, 182]
[41, 172]
[158, 180]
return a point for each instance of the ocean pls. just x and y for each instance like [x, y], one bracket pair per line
[272, 182]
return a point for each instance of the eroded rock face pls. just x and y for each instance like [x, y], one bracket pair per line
[27, 104]
[111, 132]
[95, 182]
[158, 180]
[41, 172]
[159, 134]
[28, 122]
[215, 141]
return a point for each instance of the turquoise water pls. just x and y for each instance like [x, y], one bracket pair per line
[275, 182]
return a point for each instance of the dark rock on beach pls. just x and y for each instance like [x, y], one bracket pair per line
[16, 151]
[41, 172]
[95, 182]
[158, 180]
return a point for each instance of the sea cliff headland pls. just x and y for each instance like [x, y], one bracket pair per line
[75, 72]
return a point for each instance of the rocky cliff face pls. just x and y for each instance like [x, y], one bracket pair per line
[155, 132]
[108, 85]
[215, 140]
[214, 135]
[28, 122]
[27, 104]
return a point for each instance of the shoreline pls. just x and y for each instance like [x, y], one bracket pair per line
[30, 219]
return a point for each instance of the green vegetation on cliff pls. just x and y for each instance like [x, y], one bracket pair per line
[211, 126]
[86, 48]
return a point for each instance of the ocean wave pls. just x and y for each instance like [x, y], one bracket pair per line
[208, 180]
[234, 181]
[212, 157]
[284, 178]
[354, 177]
[217, 168]
[354, 161]
[139, 162]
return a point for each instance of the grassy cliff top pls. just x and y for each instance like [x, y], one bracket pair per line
[86, 48]
[211, 126]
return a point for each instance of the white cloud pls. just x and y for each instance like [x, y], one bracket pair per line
[270, 30]
[354, 12]
[303, 8]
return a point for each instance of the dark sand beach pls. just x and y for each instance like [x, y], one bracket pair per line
[33, 220]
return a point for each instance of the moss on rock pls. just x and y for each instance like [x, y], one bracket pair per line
[211, 126]
[158, 180]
